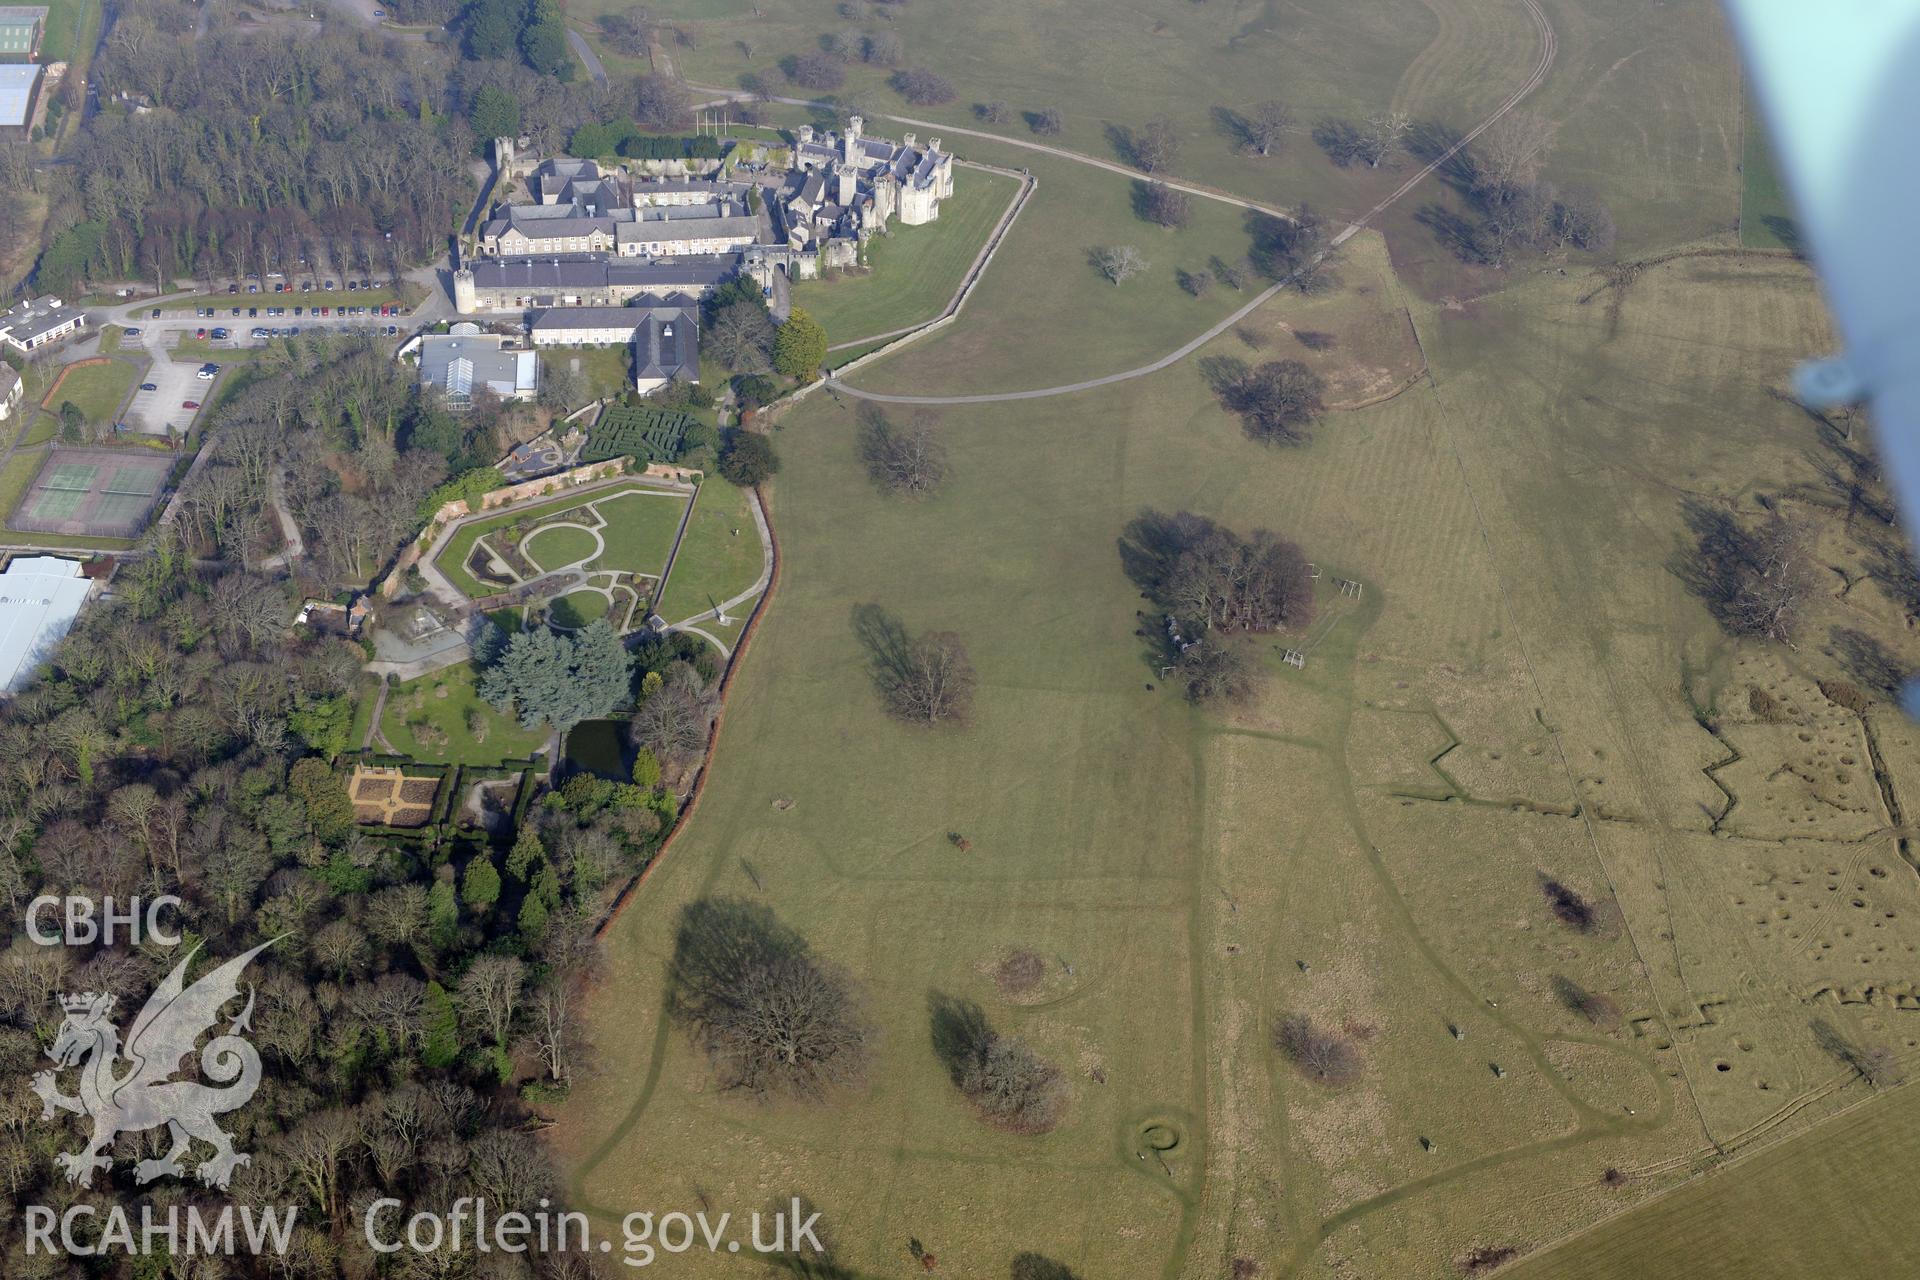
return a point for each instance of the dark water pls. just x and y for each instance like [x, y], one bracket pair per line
[599, 747]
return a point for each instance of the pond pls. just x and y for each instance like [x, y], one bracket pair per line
[599, 747]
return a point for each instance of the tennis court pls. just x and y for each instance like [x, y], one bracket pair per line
[93, 492]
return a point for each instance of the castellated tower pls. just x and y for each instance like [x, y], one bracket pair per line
[850, 143]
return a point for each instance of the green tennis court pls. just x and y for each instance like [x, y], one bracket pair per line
[134, 480]
[97, 492]
[76, 476]
[56, 504]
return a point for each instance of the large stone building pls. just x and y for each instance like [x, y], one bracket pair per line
[575, 207]
[664, 333]
[532, 284]
[842, 188]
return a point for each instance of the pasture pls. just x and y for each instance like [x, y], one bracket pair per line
[1647, 94]
[1366, 842]
[913, 271]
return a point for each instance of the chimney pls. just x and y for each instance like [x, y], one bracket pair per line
[908, 141]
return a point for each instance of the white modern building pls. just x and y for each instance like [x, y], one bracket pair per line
[39, 322]
[11, 389]
[40, 596]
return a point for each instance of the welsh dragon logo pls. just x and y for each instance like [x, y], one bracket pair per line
[133, 1090]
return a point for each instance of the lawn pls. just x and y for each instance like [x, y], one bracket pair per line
[558, 546]
[441, 719]
[915, 269]
[640, 531]
[1362, 842]
[98, 389]
[637, 538]
[607, 370]
[719, 556]
[579, 608]
[15, 476]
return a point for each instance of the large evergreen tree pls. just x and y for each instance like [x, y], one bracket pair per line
[800, 348]
[543, 41]
[544, 676]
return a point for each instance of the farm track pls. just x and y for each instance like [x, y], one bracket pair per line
[1549, 49]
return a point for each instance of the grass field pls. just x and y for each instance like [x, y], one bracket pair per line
[719, 556]
[560, 545]
[914, 270]
[441, 719]
[1758, 1219]
[1363, 842]
[1766, 215]
[98, 389]
[1646, 93]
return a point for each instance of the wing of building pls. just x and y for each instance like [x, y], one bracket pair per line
[36, 323]
[664, 333]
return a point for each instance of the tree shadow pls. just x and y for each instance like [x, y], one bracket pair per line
[960, 1031]
[884, 637]
[1221, 372]
[1786, 231]
[1715, 562]
[716, 944]
[1341, 140]
[1458, 235]
[1428, 140]
[1035, 1266]
[1868, 661]
[1154, 541]
[1234, 127]
[1124, 145]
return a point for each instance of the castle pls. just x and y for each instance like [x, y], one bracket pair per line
[841, 189]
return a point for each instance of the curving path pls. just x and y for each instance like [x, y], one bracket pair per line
[1549, 47]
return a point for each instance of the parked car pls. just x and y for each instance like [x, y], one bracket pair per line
[200, 333]
[133, 331]
[393, 330]
[233, 288]
[207, 372]
[220, 335]
[328, 286]
[189, 404]
[149, 386]
[156, 313]
[257, 332]
[236, 311]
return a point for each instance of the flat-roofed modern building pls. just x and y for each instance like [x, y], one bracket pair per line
[40, 596]
[18, 84]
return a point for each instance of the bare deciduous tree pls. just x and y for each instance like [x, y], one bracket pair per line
[1155, 146]
[1118, 263]
[773, 1019]
[1013, 1087]
[1317, 1054]
[911, 460]
[1264, 125]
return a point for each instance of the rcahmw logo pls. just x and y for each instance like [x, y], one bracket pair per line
[131, 1088]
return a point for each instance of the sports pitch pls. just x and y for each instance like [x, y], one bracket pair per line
[93, 492]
